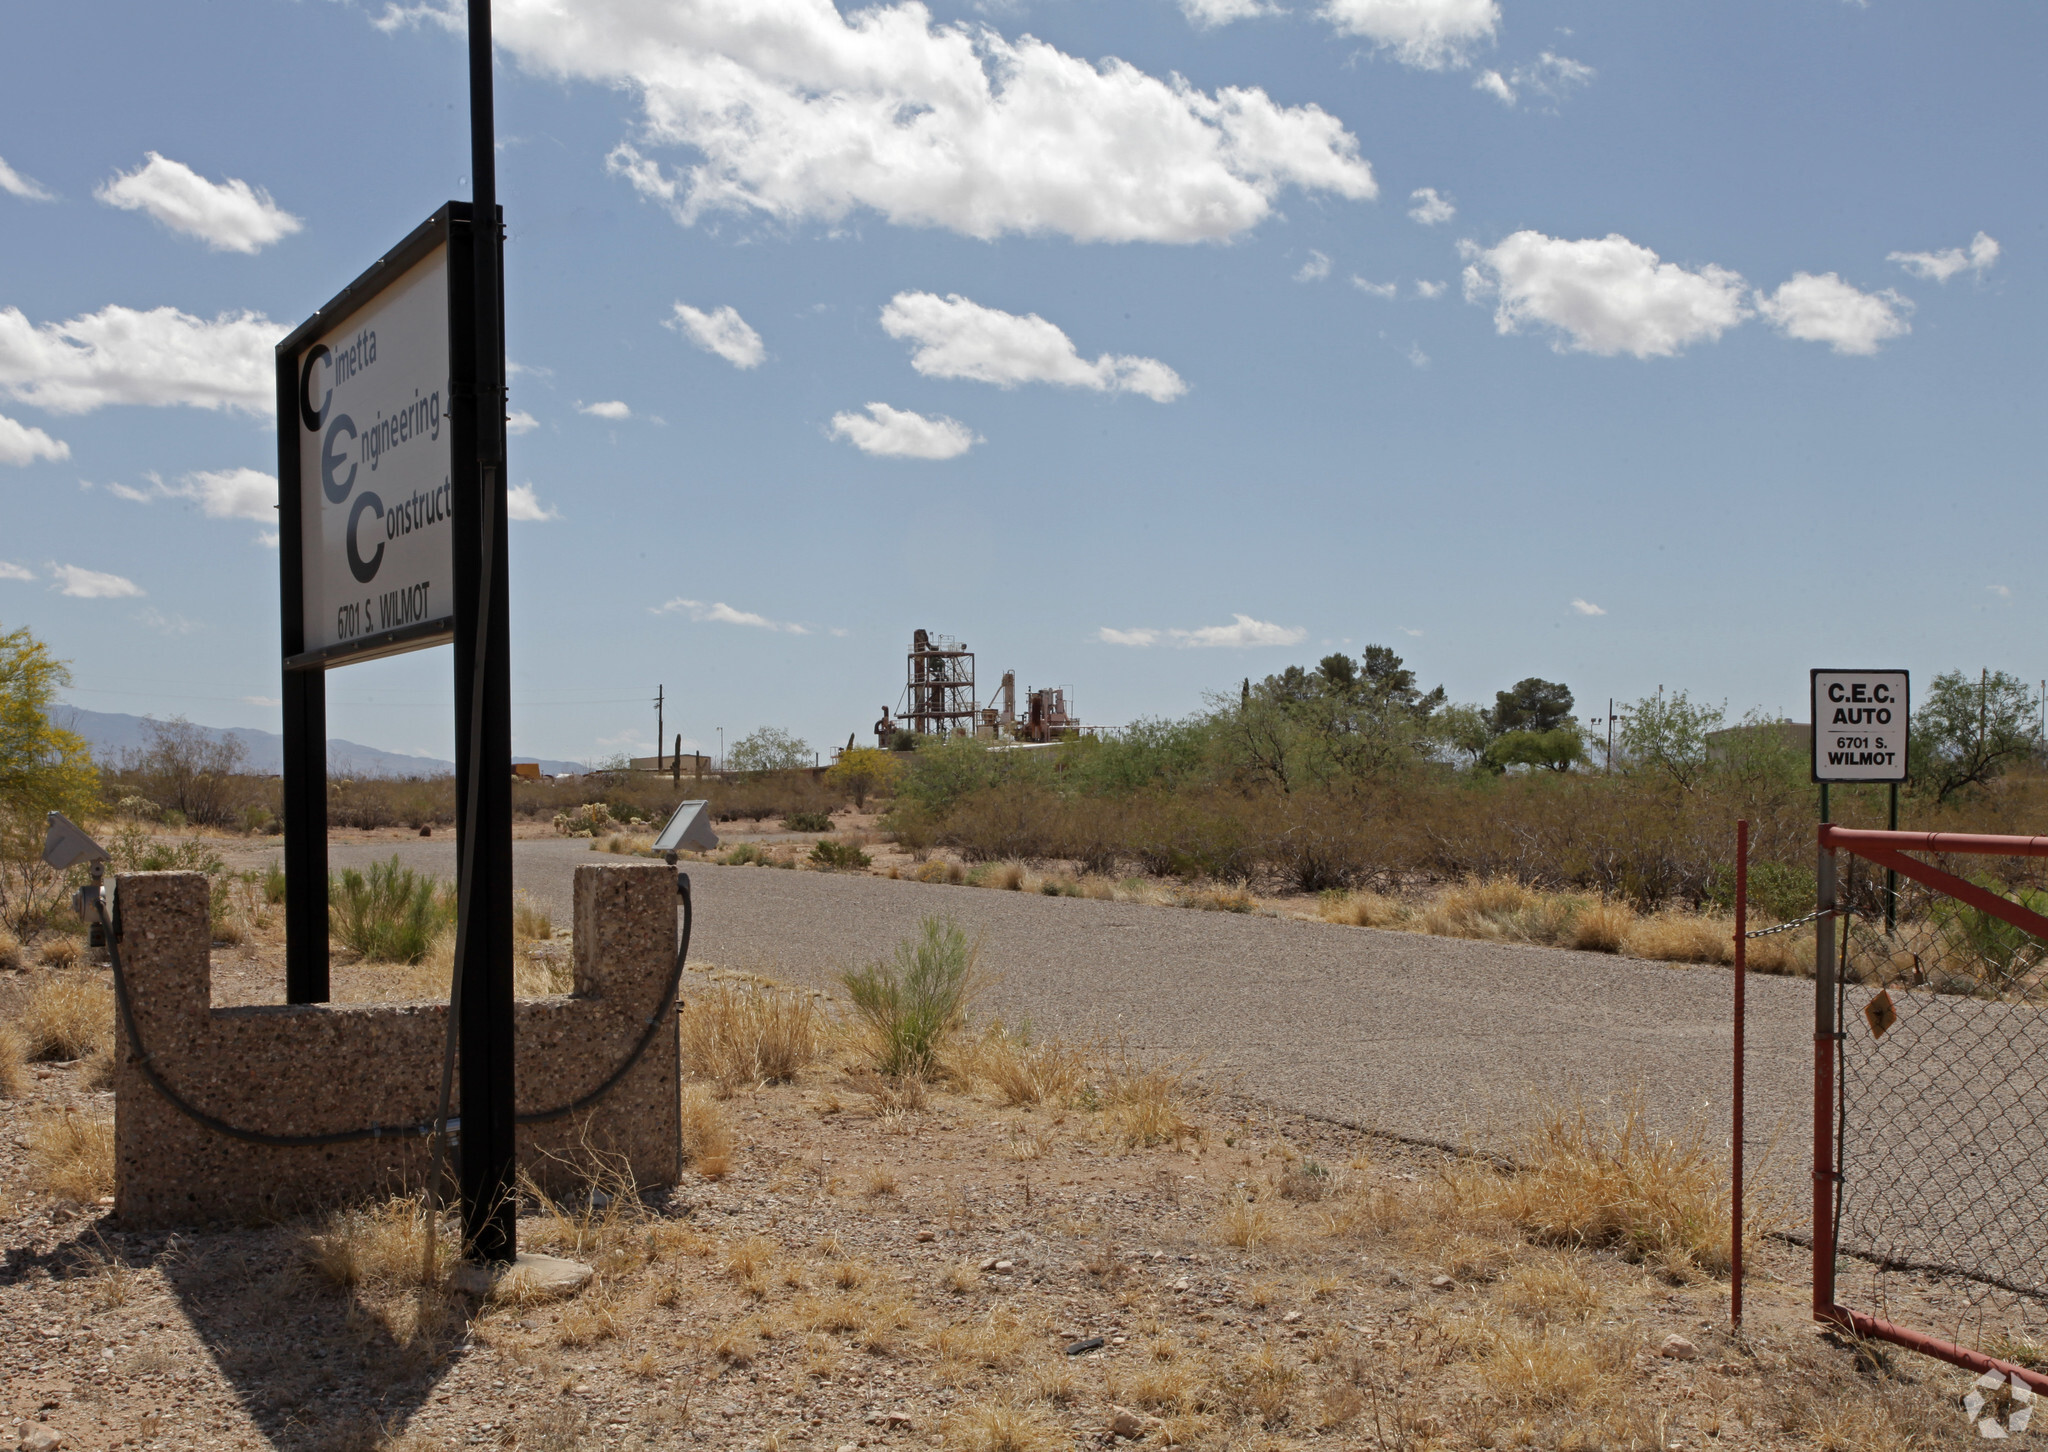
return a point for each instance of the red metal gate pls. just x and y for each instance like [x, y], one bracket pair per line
[1930, 1161]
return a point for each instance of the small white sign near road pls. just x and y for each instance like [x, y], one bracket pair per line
[1860, 720]
[375, 462]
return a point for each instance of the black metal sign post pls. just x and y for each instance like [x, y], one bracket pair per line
[392, 535]
[483, 719]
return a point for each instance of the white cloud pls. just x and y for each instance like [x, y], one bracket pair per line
[1243, 633]
[262, 700]
[1416, 357]
[1587, 607]
[1551, 76]
[897, 433]
[11, 571]
[219, 493]
[1428, 290]
[2003, 592]
[1604, 295]
[267, 538]
[1495, 85]
[84, 584]
[1315, 269]
[1825, 309]
[523, 504]
[160, 357]
[21, 444]
[15, 184]
[612, 410]
[1941, 266]
[229, 493]
[959, 338]
[1430, 207]
[1375, 289]
[1431, 34]
[229, 216]
[798, 112]
[164, 624]
[722, 331]
[719, 613]
[1208, 14]
[520, 422]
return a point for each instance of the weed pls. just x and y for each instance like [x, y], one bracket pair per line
[745, 855]
[60, 951]
[807, 822]
[273, 884]
[938, 869]
[68, 1016]
[71, 1155]
[912, 1004]
[389, 915]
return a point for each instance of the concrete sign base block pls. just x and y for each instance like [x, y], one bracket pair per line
[529, 1278]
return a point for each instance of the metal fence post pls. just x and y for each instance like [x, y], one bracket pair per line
[1824, 1088]
[1741, 983]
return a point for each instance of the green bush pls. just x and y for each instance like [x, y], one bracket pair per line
[273, 884]
[390, 915]
[912, 1003]
[807, 822]
[827, 853]
[745, 854]
[1775, 889]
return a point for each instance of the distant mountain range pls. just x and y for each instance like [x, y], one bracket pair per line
[111, 733]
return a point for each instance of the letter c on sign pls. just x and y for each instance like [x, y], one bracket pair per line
[329, 460]
[364, 570]
[310, 416]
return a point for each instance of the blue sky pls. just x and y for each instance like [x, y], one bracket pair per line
[1733, 365]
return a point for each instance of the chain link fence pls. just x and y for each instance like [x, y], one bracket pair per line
[1942, 1118]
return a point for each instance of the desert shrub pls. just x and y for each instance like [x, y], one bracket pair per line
[744, 855]
[273, 884]
[807, 822]
[861, 772]
[838, 855]
[194, 772]
[707, 1134]
[390, 914]
[913, 1001]
[739, 1035]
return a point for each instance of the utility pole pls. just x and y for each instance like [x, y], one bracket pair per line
[658, 728]
[721, 748]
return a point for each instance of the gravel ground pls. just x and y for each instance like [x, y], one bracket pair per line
[1436, 1039]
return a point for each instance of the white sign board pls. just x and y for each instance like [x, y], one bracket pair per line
[376, 444]
[1859, 725]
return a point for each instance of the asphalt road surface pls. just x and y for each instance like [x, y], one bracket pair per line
[1433, 1039]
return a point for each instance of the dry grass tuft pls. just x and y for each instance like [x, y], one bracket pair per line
[68, 1016]
[742, 1034]
[1611, 1179]
[1245, 1223]
[13, 1074]
[71, 1155]
[1003, 1427]
[60, 951]
[1679, 937]
[1362, 909]
[938, 869]
[1548, 1368]
[1148, 1104]
[379, 1246]
[10, 950]
[707, 1134]
[1550, 1289]
[1603, 927]
[1220, 900]
[1020, 1071]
